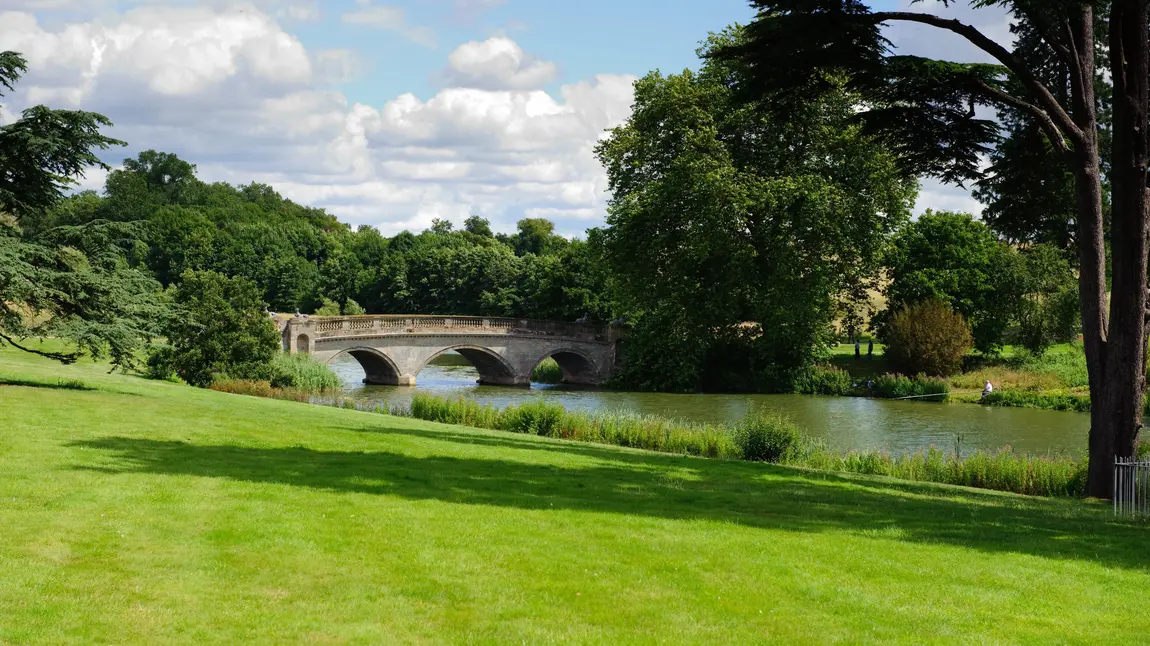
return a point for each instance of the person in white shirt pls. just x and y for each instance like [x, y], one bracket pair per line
[987, 389]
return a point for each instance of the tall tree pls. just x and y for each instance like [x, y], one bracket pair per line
[69, 282]
[732, 234]
[926, 109]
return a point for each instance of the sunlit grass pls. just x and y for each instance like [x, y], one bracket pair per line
[153, 513]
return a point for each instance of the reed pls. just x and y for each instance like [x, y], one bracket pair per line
[619, 428]
[301, 372]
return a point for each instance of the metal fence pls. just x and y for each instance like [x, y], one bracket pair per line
[1131, 487]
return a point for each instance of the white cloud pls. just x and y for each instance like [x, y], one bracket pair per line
[232, 92]
[497, 64]
[389, 18]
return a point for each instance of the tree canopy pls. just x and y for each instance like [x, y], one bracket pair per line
[733, 234]
[70, 282]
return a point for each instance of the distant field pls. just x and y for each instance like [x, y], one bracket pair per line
[138, 512]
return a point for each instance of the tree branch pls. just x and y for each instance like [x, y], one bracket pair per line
[1057, 113]
[62, 357]
[1044, 121]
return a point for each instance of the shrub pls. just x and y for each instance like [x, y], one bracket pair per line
[1142, 451]
[220, 329]
[160, 364]
[929, 338]
[823, 380]
[547, 372]
[327, 307]
[767, 437]
[900, 386]
[302, 372]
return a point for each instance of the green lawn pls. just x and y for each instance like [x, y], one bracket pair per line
[151, 513]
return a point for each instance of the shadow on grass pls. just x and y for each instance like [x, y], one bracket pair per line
[670, 487]
[59, 384]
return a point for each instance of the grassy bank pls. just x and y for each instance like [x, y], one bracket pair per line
[148, 512]
[1055, 381]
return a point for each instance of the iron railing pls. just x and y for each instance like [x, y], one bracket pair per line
[1131, 487]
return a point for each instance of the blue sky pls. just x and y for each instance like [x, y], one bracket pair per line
[387, 112]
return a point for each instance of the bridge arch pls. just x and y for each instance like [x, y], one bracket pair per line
[492, 368]
[577, 367]
[378, 368]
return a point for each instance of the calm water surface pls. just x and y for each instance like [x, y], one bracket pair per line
[844, 422]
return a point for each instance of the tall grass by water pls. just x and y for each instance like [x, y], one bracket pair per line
[1044, 400]
[302, 372]
[766, 437]
[892, 386]
[617, 428]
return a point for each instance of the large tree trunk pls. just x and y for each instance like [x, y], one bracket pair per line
[1116, 356]
[1091, 243]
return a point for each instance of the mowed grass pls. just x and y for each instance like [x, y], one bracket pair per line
[151, 513]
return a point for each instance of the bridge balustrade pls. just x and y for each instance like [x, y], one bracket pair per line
[468, 323]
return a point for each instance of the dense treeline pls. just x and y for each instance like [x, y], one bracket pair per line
[301, 257]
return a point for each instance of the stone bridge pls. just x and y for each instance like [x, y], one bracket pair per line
[393, 349]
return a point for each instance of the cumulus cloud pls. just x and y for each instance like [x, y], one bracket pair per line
[232, 92]
[389, 18]
[497, 63]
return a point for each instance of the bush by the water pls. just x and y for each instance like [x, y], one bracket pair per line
[823, 380]
[219, 331]
[768, 437]
[547, 372]
[1047, 400]
[928, 338]
[302, 372]
[899, 386]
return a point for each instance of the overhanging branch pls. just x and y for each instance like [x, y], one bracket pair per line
[62, 357]
[1055, 111]
[1044, 121]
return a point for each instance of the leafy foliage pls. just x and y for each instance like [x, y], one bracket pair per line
[71, 282]
[927, 337]
[732, 234]
[955, 259]
[219, 330]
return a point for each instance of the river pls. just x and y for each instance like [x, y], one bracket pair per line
[843, 422]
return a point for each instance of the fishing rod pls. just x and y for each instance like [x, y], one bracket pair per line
[920, 396]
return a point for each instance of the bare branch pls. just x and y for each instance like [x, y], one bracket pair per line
[1057, 113]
